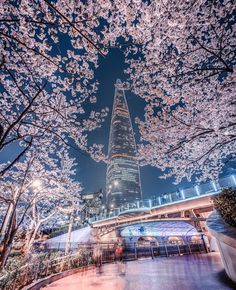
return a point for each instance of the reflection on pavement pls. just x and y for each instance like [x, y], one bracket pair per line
[198, 272]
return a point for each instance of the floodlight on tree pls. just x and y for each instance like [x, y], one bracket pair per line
[36, 184]
[116, 182]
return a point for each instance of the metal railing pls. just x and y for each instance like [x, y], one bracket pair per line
[206, 189]
[136, 250]
[41, 265]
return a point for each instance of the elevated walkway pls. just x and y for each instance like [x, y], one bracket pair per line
[172, 205]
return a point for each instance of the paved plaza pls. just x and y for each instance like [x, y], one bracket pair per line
[203, 272]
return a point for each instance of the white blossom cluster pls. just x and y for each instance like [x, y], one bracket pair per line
[185, 70]
[180, 58]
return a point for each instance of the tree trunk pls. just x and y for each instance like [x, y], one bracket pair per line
[67, 246]
[6, 219]
[28, 236]
[32, 237]
[8, 240]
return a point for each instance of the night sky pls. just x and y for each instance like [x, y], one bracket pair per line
[92, 174]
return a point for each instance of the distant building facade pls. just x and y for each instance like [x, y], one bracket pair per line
[91, 205]
[123, 174]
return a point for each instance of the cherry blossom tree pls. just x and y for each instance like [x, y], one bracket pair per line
[48, 54]
[185, 70]
[47, 77]
[180, 59]
[37, 190]
[62, 204]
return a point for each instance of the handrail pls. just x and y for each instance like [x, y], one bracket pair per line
[198, 191]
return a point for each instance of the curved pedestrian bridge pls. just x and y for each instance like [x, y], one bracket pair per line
[189, 199]
[198, 272]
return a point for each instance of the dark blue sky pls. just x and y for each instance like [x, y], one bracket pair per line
[92, 174]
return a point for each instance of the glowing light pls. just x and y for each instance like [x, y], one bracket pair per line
[36, 183]
[116, 182]
[182, 193]
[149, 203]
[214, 185]
[197, 189]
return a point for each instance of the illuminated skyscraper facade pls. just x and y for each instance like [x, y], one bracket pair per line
[123, 175]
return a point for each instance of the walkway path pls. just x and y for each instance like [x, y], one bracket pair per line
[195, 272]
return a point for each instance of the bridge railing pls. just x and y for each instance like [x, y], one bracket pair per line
[210, 188]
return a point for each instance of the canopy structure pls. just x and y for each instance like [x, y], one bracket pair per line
[159, 229]
[82, 235]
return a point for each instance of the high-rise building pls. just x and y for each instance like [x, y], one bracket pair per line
[123, 175]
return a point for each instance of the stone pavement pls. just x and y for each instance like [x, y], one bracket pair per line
[193, 272]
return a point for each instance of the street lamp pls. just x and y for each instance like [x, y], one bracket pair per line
[116, 182]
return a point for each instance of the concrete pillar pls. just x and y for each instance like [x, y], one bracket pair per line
[138, 204]
[182, 214]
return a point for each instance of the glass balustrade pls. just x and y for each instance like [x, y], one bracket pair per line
[168, 198]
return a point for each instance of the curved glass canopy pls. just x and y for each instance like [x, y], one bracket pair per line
[159, 229]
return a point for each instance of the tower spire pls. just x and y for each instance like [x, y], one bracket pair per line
[123, 175]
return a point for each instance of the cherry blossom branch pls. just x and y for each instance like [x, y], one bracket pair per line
[3, 171]
[16, 83]
[208, 152]
[20, 117]
[30, 48]
[57, 135]
[42, 22]
[72, 25]
[213, 53]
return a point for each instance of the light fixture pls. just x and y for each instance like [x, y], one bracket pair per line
[36, 183]
[116, 182]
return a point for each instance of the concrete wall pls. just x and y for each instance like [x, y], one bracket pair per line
[225, 236]
[52, 278]
[214, 245]
[228, 255]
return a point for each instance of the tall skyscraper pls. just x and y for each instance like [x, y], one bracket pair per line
[123, 175]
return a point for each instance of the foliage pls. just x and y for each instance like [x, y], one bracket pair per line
[44, 85]
[40, 190]
[47, 80]
[11, 271]
[185, 70]
[180, 59]
[225, 203]
[20, 271]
